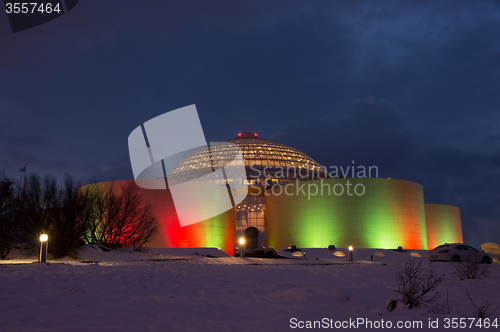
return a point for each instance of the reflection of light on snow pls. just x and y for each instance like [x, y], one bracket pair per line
[378, 254]
[415, 254]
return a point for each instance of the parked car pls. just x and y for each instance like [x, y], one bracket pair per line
[458, 252]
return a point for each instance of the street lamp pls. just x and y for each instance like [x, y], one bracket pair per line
[242, 247]
[350, 253]
[43, 248]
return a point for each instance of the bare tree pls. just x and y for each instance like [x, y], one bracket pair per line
[117, 218]
[45, 207]
[93, 213]
[12, 214]
[37, 201]
[65, 209]
[105, 215]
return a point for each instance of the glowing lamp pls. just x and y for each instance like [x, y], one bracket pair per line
[43, 248]
[350, 254]
[255, 135]
[242, 247]
[350, 248]
[239, 134]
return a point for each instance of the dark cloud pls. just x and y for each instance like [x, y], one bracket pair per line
[370, 133]
[26, 141]
[369, 113]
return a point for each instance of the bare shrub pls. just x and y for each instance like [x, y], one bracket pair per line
[469, 270]
[484, 310]
[415, 289]
[444, 307]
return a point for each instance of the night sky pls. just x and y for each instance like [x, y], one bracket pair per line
[409, 86]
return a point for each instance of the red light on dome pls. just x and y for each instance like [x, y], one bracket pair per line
[239, 134]
[255, 135]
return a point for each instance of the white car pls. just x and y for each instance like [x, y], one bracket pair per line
[458, 252]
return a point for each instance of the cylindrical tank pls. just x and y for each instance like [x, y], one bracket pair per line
[358, 212]
[444, 225]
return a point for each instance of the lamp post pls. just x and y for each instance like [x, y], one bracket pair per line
[43, 248]
[350, 253]
[242, 247]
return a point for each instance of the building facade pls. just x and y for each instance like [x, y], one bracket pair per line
[292, 200]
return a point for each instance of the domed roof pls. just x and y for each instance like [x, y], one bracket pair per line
[264, 160]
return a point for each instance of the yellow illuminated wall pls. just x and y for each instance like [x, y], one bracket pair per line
[444, 224]
[390, 213]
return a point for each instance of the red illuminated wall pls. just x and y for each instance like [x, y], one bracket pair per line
[215, 232]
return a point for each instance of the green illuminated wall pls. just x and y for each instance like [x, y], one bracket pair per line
[444, 224]
[389, 214]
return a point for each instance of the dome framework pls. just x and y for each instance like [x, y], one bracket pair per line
[265, 161]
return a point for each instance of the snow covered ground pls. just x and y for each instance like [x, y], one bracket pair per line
[182, 290]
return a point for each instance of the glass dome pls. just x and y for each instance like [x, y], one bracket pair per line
[265, 161]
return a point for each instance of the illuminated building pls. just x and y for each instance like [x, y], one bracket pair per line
[389, 213]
